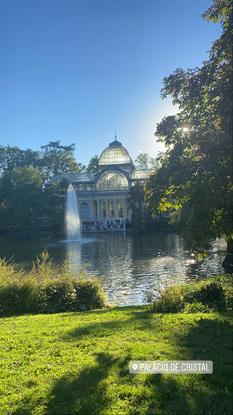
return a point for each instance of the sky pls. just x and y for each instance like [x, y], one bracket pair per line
[76, 70]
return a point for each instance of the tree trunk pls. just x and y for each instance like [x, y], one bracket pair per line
[228, 261]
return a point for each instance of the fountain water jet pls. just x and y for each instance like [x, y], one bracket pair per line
[72, 215]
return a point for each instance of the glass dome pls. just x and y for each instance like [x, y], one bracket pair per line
[112, 180]
[115, 153]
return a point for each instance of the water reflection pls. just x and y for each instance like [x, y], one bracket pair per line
[130, 265]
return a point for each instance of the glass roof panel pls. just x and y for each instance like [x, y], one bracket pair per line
[111, 180]
[115, 155]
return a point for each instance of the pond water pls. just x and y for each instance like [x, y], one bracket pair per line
[130, 265]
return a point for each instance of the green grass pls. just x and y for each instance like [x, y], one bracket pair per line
[77, 363]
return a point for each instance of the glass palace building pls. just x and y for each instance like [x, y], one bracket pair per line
[103, 196]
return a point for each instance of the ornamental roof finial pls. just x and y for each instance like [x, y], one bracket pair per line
[115, 135]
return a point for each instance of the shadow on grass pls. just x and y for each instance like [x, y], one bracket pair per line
[138, 320]
[88, 394]
[82, 394]
[212, 340]
[107, 310]
[107, 385]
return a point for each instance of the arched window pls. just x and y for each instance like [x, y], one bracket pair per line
[84, 210]
[112, 180]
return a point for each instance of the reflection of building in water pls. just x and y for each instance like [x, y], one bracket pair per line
[130, 266]
[103, 196]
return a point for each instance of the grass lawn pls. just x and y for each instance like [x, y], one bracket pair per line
[77, 363]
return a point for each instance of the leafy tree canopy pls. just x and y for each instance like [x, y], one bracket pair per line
[26, 193]
[52, 160]
[145, 162]
[58, 159]
[13, 157]
[196, 168]
[93, 164]
[20, 197]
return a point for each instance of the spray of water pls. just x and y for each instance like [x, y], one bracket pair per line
[72, 215]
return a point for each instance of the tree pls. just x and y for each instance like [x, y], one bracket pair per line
[26, 203]
[57, 159]
[54, 197]
[20, 198]
[27, 196]
[93, 164]
[145, 162]
[141, 218]
[13, 157]
[54, 159]
[196, 174]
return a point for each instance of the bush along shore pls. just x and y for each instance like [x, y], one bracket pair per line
[48, 288]
[210, 294]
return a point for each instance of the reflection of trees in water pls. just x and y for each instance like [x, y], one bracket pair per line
[106, 250]
[212, 264]
[111, 258]
[151, 245]
[133, 264]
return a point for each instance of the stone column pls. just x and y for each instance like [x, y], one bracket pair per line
[124, 212]
[98, 209]
[101, 209]
[109, 207]
[115, 208]
[92, 209]
[106, 201]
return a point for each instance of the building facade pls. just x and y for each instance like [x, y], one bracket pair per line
[103, 196]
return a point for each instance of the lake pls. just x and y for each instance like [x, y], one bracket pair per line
[129, 265]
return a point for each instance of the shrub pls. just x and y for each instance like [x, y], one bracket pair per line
[212, 294]
[228, 292]
[196, 308]
[47, 289]
[89, 294]
[60, 294]
[170, 301]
